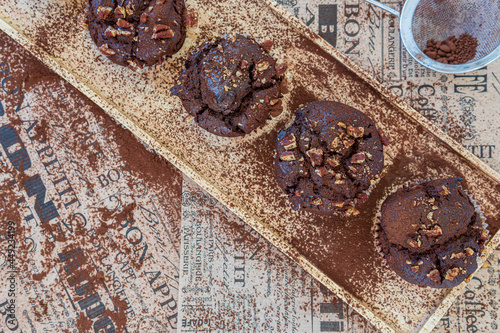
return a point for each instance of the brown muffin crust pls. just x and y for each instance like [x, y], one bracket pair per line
[137, 32]
[431, 234]
[231, 86]
[328, 158]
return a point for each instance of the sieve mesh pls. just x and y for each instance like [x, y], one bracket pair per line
[440, 19]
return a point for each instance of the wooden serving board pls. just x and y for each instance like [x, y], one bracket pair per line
[340, 253]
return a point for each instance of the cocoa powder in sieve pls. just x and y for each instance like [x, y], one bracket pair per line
[453, 50]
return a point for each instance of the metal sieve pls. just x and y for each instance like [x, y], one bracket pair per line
[423, 20]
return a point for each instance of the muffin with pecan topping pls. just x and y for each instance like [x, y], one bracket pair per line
[231, 85]
[135, 33]
[431, 234]
[328, 159]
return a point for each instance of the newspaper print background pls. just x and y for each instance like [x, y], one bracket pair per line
[96, 228]
[253, 287]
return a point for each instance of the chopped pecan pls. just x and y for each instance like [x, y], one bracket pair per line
[348, 143]
[351, 211]
[317, 202]
[289, 142]
[130, 9]
[414, 243]
[332, 161]
[356, 132]
[338, 204]
[430, 215]
[123, 23]
[125, 33]
[262, 66]
[358, 158]
[103, 12]
[352, 169]
[120, 12]
[451, 274]
[434, 275]
[134, 65]
[163, 34]
[316, 156]
[341, 125]
[434, 232]
[415, 268]
[335, 143]
[288, 156]
[469, 251]
[244, 64]
[144, 17]
[160, 27]
[106, 50]
[111, 32]
[445, 190]
[458, 255]
[321, 171]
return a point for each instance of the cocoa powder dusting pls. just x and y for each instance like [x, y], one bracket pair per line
[83, 153]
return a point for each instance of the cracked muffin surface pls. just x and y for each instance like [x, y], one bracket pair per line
[137, 32]
[231, 86]
[328, 158]
[431, 234]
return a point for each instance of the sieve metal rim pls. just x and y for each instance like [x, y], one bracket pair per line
[408, 39]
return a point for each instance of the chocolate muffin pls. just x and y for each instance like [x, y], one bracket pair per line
[431, 234]
[137, 32]
[328, 158]
[231, 85]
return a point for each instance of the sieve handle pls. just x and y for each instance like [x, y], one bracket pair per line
[384, 7]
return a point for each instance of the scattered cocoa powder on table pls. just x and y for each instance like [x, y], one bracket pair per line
[453, 50]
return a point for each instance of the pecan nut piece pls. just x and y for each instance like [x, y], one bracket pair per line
[103, 12]
[289, 142]
[288, 156]
[451, 274]
[164, 34]
[434, 275]
[123, 23]
[316, 156]
[434, 232]
[322, 171]
[111, 32]
[332, 161]
[120, 12]
[356, 132]
[106, 50]
[358, 158]
[262, 66]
